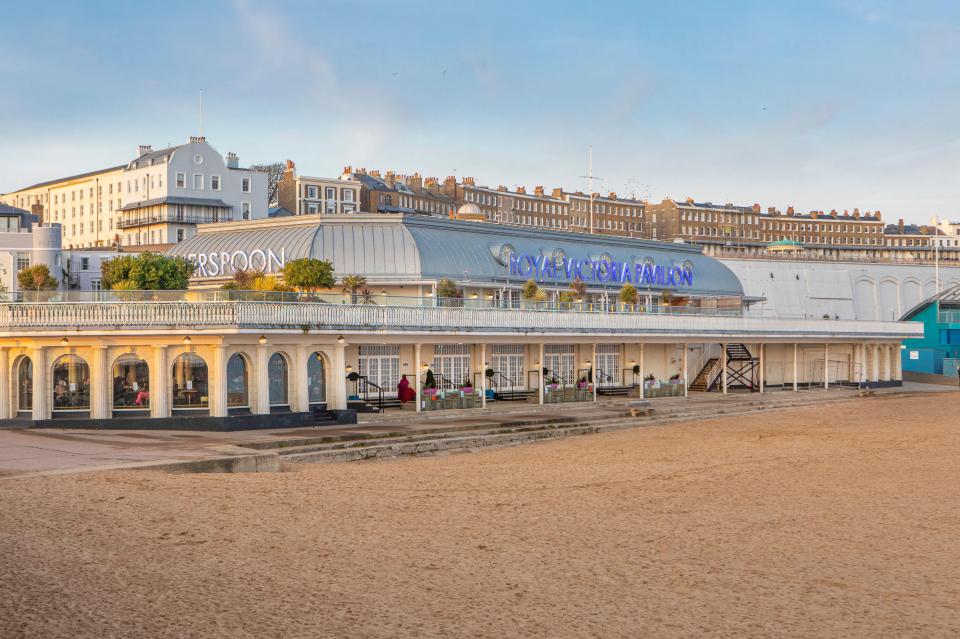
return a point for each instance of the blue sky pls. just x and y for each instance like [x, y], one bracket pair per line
[818, 104]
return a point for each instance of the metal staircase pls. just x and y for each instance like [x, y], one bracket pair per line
[742, 369]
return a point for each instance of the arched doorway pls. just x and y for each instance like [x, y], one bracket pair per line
[71, 385]
[316, 379]
[238, 388]
[278, 379]
[131, 386]
[24, 370]
[189, 388]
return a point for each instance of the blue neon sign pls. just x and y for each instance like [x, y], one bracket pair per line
[541, 267]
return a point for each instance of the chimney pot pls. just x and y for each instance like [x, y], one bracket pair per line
[538, 191]
[143, 149]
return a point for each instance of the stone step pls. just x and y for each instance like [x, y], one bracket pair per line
[430, 443]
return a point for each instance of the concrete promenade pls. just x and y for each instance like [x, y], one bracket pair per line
[27, 452]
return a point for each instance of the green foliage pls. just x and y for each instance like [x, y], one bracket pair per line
[36, 278]
[308, 274]
[667, 296]
[242, 280]
[567, 297]
[430, 381]
[264, 282]
[447, 288]
[532, 292]
[489, 373]
[353, 283]
[148, 271]
[628, 294]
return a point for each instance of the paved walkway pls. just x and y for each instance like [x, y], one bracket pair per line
[39, 450]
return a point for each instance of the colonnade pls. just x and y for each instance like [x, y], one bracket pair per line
[220, 396]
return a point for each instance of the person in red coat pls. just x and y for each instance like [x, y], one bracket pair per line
[404, 392]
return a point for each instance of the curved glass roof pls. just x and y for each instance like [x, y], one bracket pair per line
[406, 247]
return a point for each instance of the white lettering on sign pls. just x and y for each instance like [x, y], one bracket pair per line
[224, 263]
[914, 354]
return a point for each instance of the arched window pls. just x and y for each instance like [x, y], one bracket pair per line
[71, 384]
[277, 372]
[25, 385]
[190, 382]
[131, 384]
[316, 379]
[238, 395]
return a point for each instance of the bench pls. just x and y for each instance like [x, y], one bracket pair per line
[639, 407]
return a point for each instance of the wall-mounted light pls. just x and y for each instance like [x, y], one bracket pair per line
[633, 363]
[64, 342]
[262, 339]
[340, 339]
[425, 367]
[429, 293]
[349, 368]
[474, 296]
[187, 340]
[383, 292]
[587, 363]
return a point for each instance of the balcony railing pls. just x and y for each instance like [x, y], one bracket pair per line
[307, 315]
[143, 220]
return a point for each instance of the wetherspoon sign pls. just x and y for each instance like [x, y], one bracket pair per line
[541, 267]
[227, 263]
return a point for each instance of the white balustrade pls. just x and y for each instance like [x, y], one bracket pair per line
[17, 317]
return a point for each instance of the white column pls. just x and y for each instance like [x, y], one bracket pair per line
[593, 365]
[417, 365]
[686, 383]
[159, 383]
[826, 367]
[762, 348]
[897, 362]
[41, 380]
[875, 373]
[483, 375]
[723, 363]
[338, 378]
[540, 375]
[6, 398]
[885, 368]
[262, 373]
[863, 363]
[794, 367]
[217, 381]
[301, 384]
[100, 383]
[641, 371]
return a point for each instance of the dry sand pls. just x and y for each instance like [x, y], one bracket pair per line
[839, 521]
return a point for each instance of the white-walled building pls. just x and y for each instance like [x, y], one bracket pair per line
[155, 199]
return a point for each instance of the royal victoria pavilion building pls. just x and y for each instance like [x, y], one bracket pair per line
[209, 358]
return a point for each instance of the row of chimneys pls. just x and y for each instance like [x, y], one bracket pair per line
[390, 178]
[416, 181]
[772, 210]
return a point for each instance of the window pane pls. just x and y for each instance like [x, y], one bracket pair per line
[237, 393]
[316, 381]
[277, 370]
[131, 383]
[189, 382]
[71, 384]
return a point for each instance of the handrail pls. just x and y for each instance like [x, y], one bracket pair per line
[366, 391]
[603, 376]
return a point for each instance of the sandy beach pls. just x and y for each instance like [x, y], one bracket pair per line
[836, 521]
